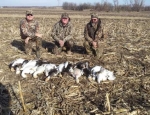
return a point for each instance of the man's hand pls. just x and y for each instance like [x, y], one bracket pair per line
[61, 43]
[94, 44]
[38, 35]
[27, 40]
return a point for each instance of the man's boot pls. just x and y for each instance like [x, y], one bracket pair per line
[98, 54]
[68, 45]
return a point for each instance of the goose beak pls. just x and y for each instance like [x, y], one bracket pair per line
[12, 69]
[47, 79]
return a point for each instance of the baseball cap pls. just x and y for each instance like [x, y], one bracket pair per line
[94, 15]
[29, 12]
[65, 15]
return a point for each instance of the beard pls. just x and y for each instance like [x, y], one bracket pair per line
[94, 23]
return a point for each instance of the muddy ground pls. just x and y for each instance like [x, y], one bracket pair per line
[126, 53]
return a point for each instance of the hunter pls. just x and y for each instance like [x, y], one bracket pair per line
[29, 32]
[62, 34]
[94, 37]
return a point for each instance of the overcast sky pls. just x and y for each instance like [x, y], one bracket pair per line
[55, 2]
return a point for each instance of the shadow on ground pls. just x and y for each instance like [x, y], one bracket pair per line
[18, 44]
[47, 45]
[4, 101]
[78, 49]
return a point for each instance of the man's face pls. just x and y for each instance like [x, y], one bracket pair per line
[94, 20]
[64, 20]
[29, 17]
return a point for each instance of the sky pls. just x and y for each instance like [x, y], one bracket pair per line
[56, 2]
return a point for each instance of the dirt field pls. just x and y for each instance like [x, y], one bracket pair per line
[126, 53]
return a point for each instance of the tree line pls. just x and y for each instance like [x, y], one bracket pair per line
[129, 5]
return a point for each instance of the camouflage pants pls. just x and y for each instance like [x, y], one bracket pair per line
[67, 47]
[29, 47]
[98, 52]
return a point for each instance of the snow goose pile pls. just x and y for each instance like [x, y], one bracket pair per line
[75, 70]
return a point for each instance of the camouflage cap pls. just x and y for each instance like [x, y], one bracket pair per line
[65, 15]
[94, 15]
[29, 12]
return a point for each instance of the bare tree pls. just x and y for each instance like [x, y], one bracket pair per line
[130, 5]
[69, 6]
[137, 4]
[127, 6]
[116, 5]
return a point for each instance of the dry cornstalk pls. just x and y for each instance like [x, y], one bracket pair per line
[21, 96]
[107, 102]
[120, 110]
[94, 110]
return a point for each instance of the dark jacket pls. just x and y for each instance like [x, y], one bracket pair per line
[93, 32]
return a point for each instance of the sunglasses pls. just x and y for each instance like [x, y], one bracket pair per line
[65, 18]
[29, 15]
[94, 19]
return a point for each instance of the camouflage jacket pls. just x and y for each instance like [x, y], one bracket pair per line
[93, 32]
[28, 29]
[60, 32]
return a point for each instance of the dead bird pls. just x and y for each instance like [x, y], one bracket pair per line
[41, 68]
[52, 72]
[64, 67]
[17, 64]
[76, 73]
[94, 70]
[104, 75]
[30, 67]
